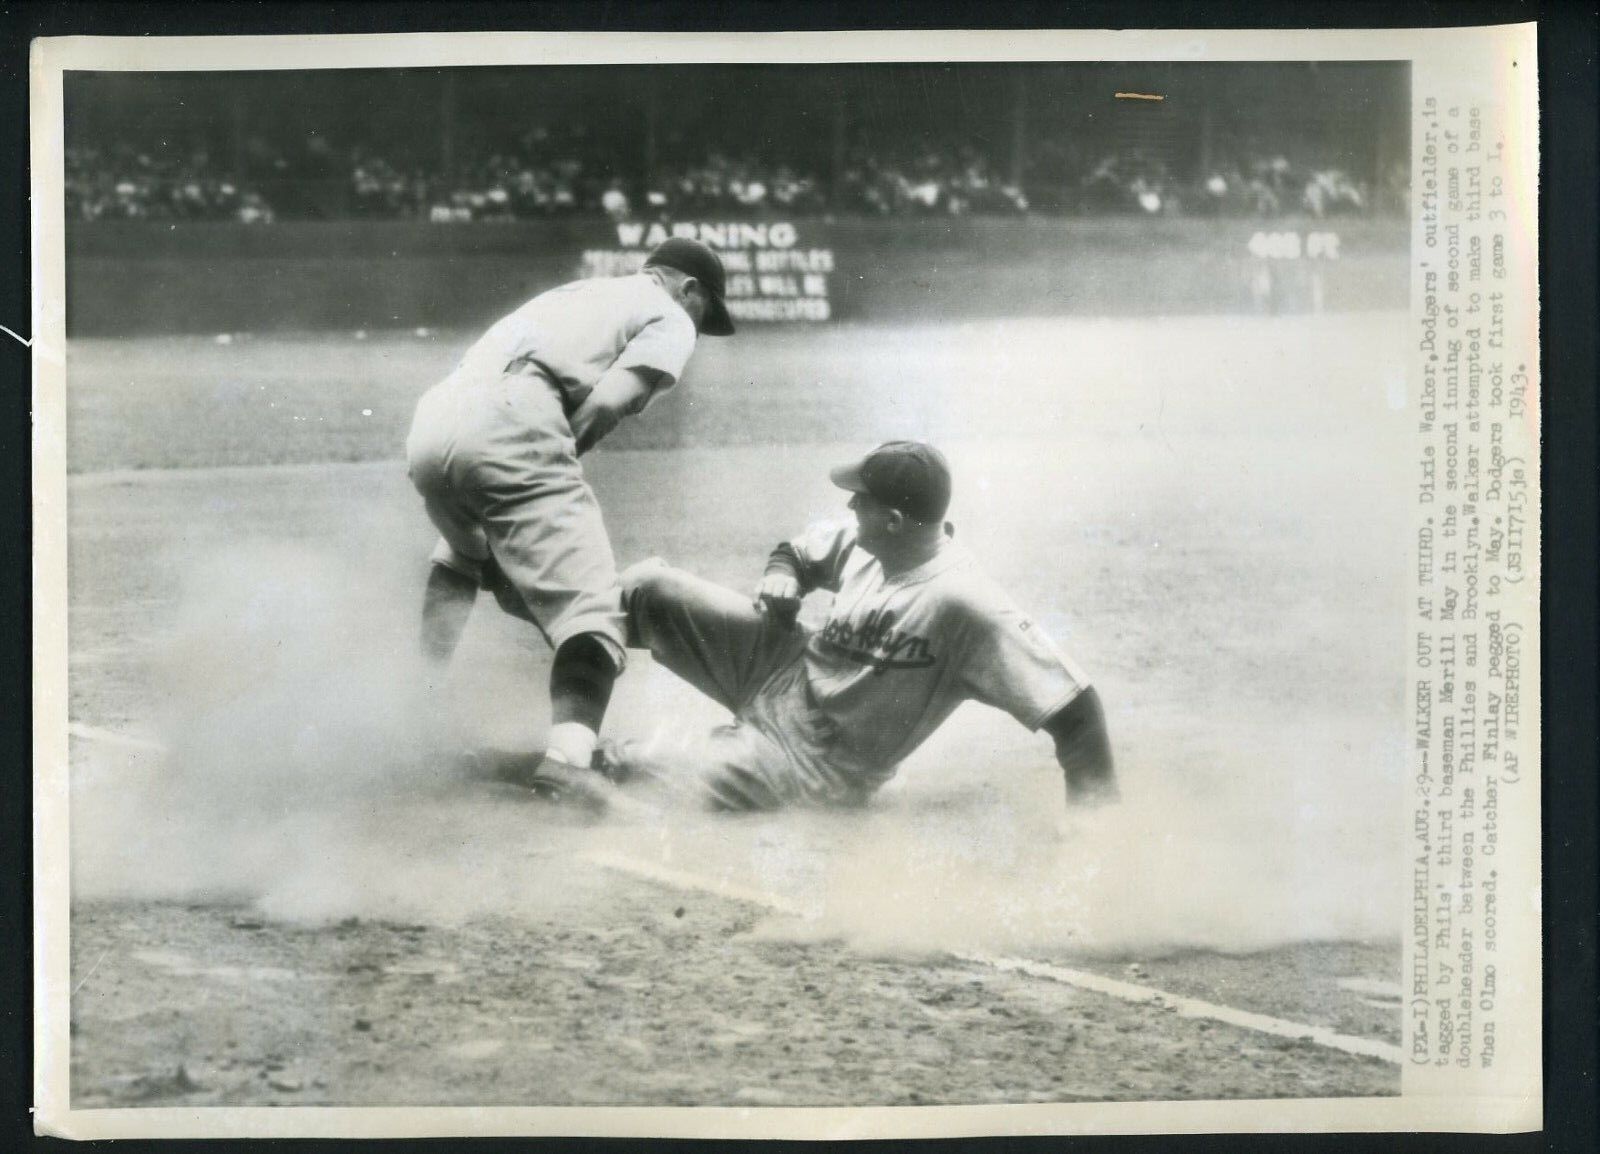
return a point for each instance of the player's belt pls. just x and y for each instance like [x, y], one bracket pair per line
[529, 366]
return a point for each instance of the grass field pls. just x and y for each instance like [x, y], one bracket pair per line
[285, 904]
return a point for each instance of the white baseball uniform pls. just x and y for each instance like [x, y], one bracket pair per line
[826, 716]
[492, 451]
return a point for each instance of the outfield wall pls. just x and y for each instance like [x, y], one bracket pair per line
[126, 278]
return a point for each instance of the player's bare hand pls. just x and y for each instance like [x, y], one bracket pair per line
[592, 420]
[1091, 775]
[1091, 786]
[1083, 751]
[779, 595]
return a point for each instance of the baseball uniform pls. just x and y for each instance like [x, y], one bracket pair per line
[826, 716]
[492, 451]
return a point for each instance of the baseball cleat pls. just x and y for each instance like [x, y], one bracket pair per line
[506, 766]
[611, 761]
[578, 786]
[547, 778]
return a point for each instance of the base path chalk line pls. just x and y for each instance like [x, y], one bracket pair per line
[682, 880]
[1195, 1008]
[1081, 979]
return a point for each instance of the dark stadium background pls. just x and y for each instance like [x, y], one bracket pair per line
[306, 200]
[325, 145]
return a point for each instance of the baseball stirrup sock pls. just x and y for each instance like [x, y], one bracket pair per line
[571, 742]
[580, 682]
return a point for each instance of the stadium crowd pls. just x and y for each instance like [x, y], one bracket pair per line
[127, 184]
[543, 176]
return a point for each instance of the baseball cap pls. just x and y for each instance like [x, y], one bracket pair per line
[911, 476]
[696, 260]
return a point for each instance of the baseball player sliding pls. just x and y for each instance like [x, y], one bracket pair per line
[824, 717]
[494, 449]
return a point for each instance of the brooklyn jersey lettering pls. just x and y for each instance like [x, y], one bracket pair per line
[899, 653]
[877, 643]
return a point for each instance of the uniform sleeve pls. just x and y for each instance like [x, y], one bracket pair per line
[1011, 665]
[663, 338]
[818, 555]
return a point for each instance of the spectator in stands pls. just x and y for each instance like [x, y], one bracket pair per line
[976, 187]
[379, 189]
[1216, 193]
[796, 194]
[1103, 187]
[1330, 192]
[138, 186]
[867, 188]
[615, 202]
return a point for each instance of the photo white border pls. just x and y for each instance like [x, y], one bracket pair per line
[1484, 47]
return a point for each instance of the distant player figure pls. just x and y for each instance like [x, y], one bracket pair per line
[824, 717]
[494, 449]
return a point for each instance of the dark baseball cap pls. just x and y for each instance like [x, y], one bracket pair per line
[911, 476]
[696, 260]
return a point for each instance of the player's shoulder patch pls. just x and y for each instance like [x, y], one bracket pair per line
[985, 600]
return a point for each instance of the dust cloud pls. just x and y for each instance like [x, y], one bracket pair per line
[1226, 839]
[305, 774]
[306, 763]
[1152, 876]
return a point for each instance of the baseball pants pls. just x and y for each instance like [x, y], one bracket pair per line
[775, 752]
[497, 467]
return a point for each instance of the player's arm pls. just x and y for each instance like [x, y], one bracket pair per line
[1083, 750]
[1008, 662]
[659, 345]
[779, 592]
[621, 392]
[794, 568]
[446, 604]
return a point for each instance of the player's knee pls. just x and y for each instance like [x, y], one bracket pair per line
[588, 657]
[644, 578]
